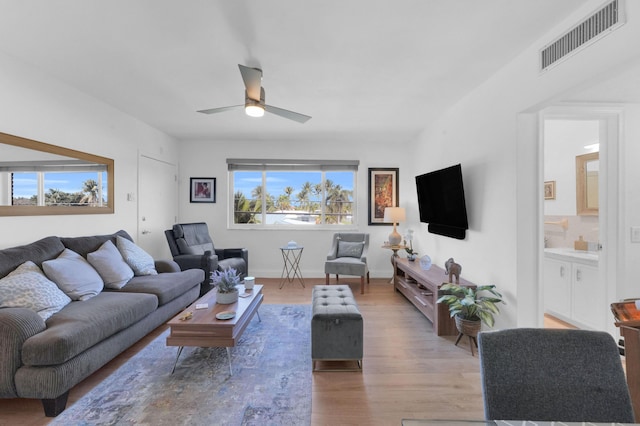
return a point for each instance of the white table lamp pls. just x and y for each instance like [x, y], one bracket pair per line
[395, 215]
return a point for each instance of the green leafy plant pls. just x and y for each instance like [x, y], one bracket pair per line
[473, 304]
[226, 280]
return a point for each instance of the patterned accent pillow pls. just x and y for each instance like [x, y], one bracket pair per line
[73, 275]
[350, 249]
[139, 260]
[27, 287]
[109, 263]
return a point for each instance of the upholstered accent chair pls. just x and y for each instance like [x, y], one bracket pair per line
[348, 256]
[192, 248]
[561, 375]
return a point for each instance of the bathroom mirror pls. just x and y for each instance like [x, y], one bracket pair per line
[37, 178]
[587, 169]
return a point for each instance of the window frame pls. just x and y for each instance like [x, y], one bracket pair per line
[263, 166]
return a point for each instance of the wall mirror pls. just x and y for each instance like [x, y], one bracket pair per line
[37, 178]
[587, 170]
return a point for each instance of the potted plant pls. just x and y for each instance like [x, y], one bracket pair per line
[226, 282]
[409, 249]
[471, 306]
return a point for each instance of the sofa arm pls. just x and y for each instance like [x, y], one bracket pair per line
[229, 253]
[167, 265]
[16, 326]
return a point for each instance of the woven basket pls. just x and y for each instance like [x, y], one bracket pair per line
[467, 327]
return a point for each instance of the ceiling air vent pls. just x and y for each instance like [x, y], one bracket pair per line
[602, 22]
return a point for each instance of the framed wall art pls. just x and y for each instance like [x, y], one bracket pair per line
[383, 192]
[550, 190]
[203, 190]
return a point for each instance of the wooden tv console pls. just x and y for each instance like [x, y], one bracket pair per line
[422, 288]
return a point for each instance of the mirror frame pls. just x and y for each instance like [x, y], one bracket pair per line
[581, 184]
[67, 152]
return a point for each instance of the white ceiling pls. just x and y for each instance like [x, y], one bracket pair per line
[361, 68]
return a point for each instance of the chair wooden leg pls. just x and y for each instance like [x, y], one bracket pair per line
[337, 279]
[326, 279]
[362, 284]
[368, 277]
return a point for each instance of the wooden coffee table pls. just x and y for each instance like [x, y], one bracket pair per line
[202, 328]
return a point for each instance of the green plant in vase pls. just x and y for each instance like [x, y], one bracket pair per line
[478, 305]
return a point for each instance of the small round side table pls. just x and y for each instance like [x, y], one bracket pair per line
[291, 258]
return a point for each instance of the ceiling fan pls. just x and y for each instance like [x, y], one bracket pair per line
[254, 105]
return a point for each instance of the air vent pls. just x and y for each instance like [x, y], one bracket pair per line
[607, 19]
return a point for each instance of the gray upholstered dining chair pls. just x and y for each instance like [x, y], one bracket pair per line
[553, 375]
[348, 256]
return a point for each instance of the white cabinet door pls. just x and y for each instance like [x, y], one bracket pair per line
[589, 307]
[557, 287]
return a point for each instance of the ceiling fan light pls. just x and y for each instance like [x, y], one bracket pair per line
[254, 110]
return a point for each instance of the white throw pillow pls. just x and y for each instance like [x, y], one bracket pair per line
[108, 261]
[139, 260]
[27, 287]
[74, 275]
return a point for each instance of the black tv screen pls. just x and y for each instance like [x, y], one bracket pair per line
[441, 202]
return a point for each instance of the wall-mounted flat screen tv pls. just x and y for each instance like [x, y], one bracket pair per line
[441, 202]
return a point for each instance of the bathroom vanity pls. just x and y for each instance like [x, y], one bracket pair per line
[573, 291]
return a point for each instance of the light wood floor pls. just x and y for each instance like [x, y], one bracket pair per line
[409, 372]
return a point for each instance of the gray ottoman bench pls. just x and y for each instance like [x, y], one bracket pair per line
[336, 326]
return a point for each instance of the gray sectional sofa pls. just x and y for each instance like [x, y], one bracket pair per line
[45, 359]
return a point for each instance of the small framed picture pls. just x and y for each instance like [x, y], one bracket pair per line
[383, 192]
[550, 190]
[203, 190]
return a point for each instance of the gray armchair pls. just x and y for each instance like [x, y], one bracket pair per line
[553, 375]
[192, 248]
[348, 256]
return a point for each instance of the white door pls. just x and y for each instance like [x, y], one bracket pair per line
[157, 205]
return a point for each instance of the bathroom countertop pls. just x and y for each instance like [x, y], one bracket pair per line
[571, 255]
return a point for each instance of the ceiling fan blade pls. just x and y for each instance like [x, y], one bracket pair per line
[295, 116]
[221, 109]
[252, 78]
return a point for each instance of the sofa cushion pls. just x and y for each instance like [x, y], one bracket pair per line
[139, 260]
[167, 286]
[74, 275]
[89, 244]
[108, 261]
[80, 325]
[27, 287]
[37, 252]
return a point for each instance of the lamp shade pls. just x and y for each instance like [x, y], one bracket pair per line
[394, 214]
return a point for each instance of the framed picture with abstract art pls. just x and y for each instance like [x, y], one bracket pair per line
[383, 192]
[203, 190]
[550, 190]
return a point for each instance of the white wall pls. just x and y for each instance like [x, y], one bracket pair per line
[493, 133]
[38, 107]
[208, 159]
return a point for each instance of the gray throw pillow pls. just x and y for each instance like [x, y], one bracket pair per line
[350, 249]
[73, 275]
[108, 261]
[139, 260]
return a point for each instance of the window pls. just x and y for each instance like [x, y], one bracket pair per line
[79, 188]
[298, 193]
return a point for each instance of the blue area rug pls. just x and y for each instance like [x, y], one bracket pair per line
[270, 385]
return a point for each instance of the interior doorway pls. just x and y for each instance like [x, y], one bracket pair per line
[579, 169]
